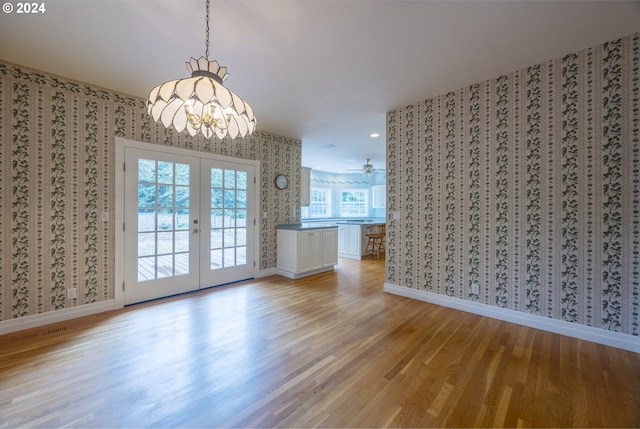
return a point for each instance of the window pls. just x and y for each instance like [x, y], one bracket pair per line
[354, 202]
[320, 205]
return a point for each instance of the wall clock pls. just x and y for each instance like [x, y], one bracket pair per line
[281, 181]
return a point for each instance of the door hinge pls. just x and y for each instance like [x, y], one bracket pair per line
[124, 166]
[123, 286]
[254, 222]
[254, 180]
[254, 264]
[123, 226]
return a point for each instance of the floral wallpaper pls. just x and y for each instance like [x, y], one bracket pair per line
[527, 185]
[57, 178]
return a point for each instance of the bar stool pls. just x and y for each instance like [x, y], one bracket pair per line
[375, 240]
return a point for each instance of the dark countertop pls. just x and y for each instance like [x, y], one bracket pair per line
[360, 222]
[305, 225]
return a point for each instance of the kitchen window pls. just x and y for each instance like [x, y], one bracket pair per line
[320, 204]
[354, 202]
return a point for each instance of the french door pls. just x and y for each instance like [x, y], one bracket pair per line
[188, 223]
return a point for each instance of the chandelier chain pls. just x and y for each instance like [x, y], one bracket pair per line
[206, 54]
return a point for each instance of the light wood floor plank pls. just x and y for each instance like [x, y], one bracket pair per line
[330, 350]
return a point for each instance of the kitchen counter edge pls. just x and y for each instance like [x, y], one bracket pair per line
[304, 226]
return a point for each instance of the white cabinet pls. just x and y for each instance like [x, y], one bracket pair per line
[349, 241]
[379, 196]
[309, 250]
[303, 252]
[352, 240]
[329, 247]
[305, 186]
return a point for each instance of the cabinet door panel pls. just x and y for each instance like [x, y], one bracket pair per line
[315, 249]
[353, 243]
[304, 252]
[329, 247]
[342, 238]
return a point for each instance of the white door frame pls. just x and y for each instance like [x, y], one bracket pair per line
[121, 145]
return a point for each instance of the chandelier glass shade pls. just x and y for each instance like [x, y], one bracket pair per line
[201, 103]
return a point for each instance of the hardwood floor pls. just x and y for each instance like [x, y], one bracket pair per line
[331, 350]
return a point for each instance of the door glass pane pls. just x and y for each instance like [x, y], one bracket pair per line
[241, 177]
[146, 220]
[146, 195]
[165, 172]
[182, 196]
[165, 196]
[216, 218]
[216, 198]
[229, 179]
[182, 263]
[216, 178]
[165, 242]
[228, 218]
[241, 255]
[241, 236]
[182, 174]
[241, 218]
[216, 259]
[241, 199]
[146, 170]
[182, 219]
[146, 268]
[216, 238]
[181, 241]
[165, 266]
[229, 237]
[146, 244]
[163, 219]
[229, 257]
[229, 199]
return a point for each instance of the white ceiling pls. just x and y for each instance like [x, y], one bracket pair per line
[324, 72]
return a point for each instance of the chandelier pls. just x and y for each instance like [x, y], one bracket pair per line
[201, 103]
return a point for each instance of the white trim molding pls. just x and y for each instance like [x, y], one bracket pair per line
[121, 145]
[266, 273]
[42, 319]
[583, 332]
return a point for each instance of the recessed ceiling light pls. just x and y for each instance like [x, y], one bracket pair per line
[374, 135]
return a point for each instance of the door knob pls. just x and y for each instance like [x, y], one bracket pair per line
[195, 231]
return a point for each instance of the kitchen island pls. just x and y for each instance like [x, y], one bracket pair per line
[352, 237]
[305, 249]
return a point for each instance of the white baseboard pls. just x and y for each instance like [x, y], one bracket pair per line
[583, 332]
[266, 273]
[291, 275]
[27, 322]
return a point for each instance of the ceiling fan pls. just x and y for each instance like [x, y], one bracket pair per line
[367, 168]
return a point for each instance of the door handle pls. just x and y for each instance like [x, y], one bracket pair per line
[195, 231]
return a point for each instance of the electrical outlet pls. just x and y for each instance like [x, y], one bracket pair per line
[72, 293]
[474, 288]
[396, 215]
[105, 216]
[264, 215]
